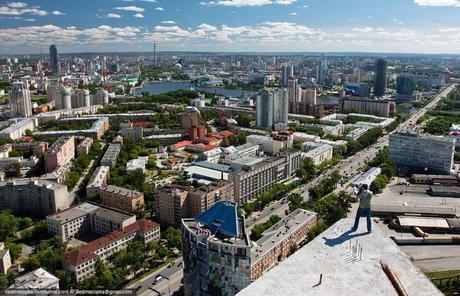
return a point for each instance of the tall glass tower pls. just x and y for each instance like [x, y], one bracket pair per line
[54, 57]
[380, 81]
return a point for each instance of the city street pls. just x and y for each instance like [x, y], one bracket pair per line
[351, 167]
[165, 281]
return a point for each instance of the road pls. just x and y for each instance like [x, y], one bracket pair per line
[350, 168]
[170, 282]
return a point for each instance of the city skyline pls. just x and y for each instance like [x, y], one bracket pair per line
[404, 26]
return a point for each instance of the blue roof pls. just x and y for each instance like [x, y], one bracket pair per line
[222, 217]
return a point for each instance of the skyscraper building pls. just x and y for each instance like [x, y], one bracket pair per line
[272, 108]
[54, 57]
[287, 72]
[380, 81]
[216, 252]
[322, 71]
[405, 85]
[66, 98]
[20, 104]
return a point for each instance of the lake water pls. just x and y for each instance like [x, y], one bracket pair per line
[155, 88]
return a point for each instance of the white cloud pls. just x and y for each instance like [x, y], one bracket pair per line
[168, 22]
[57, 12]
[437, 3]
[130, 8]
[293, 13]
[266, 36]
[160, 9]
[363, 30]
[19, 8]
[138, 15]
[113, 15]
[241, 3]
[17, 4]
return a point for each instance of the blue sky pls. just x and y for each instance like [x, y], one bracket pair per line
[426, 26]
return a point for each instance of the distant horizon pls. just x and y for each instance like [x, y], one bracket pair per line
[268, 53]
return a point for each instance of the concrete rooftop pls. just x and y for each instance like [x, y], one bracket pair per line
[331, 255]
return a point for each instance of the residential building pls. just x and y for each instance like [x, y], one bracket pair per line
[277, 242]
[317, 152]
[422, 153]
[38, 279]
[20, 104]
[267, 143]
[36, 196]
[84, 146]
[111, 155]
[60, 153]
[101, 97]
[177, 202]
[80, 98]
[272, 109]
[367, 106]
[97, 130]
[81, 262]
[170, 205]
[88, 217]
[121, 198]
[252, 177]
[17, 130]
[5, 259]
[216, 252]
[380, 79]
[129, 130]
[454, 133]
[98, 180]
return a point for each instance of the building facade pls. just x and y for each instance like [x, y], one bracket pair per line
[36, 196]
[60, 153]
[111, 155]
[82, 261]
[422, 153]
[121, 198]
[87, 217]
[98, 180]
[20, 104]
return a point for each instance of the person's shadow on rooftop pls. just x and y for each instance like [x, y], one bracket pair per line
[342, 238]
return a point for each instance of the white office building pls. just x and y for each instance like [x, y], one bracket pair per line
[422, 153]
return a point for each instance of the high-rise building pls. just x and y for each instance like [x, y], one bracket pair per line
[81, 98]
[216, 252]
[20, 104]
[380, 80]
[405, 85]
[422, 153]
[272, 108]
[322, 71]
[54, 57]
[66, 98]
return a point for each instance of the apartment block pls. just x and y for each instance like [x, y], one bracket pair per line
[38, 279]
[60, 153]
[121, 198]
[82, 261]
[422, 153]
[36, 196]
[111, 155]
[317, 152]
[358, 105]
[178, 202]
[84, 146]
[98, 180]
[88, 217]
[18, 129]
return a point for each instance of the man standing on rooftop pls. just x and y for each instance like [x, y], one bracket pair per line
[364, 209]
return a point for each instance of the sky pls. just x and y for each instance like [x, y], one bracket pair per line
[400, 26]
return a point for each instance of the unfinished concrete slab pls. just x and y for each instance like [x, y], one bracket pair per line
[342, 262]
